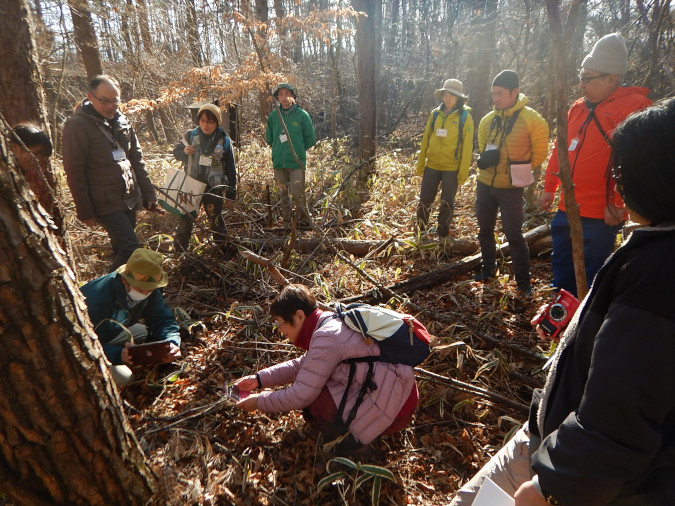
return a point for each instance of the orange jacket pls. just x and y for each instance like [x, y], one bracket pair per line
[590, 157]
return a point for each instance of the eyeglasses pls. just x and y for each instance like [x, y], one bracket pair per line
[106, 101]
[588, 79]
[207, 121]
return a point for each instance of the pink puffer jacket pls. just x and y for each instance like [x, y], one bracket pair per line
[332, 342]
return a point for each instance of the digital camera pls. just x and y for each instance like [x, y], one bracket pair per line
[488, 158]
[558, 313]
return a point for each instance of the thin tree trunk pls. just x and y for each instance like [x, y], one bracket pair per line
[64, 438]
[193, 42]
[479, 75]
[560, 42]
[85, 37]
[366, 51]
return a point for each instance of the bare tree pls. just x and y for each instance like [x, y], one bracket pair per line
[366, 50]
[85, 37]
[561, 40]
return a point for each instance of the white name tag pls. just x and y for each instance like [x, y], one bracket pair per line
[119, 155]
[441, 132]
[573, 144]
[490, 146]
[283, 138]
[205, 160]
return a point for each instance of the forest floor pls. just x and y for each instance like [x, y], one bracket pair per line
[205, 451]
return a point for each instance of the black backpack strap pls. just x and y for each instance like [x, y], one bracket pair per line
[597, 122]
[368, 384]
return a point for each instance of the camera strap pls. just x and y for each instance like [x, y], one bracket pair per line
[507, 128]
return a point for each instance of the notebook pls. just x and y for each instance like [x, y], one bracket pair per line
[150, 353]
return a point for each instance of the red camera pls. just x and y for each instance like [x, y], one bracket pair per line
[558, 313]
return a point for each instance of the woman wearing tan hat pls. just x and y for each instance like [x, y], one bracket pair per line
[445, 154]
[206, 154]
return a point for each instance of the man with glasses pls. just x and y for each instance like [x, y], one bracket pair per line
[591, 122]
[105, 168]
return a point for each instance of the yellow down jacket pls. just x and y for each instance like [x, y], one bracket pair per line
[439, 152]
[526, 142]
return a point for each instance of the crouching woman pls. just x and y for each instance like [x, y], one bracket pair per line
[319, 378]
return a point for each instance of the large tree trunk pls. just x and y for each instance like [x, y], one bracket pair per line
[19, 66]
[64, 438]
[366, 50]
[21, 95]
[85, 37]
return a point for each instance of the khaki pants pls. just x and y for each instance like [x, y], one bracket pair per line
[121, 373]
[509, 468]
[293, 181]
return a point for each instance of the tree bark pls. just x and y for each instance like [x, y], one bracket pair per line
[19, 66]
[21, 95]
[366, 51]
[64, 438]
[194, 43]
[560, 42]
[479, 74]
[85, 37]
[262, 16]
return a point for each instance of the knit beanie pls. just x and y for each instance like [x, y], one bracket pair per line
[213, 109]
[608, 56]
[507, 79]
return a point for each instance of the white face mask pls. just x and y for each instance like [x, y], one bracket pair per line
[136, 295]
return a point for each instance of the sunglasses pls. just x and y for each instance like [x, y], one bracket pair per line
[588, 79]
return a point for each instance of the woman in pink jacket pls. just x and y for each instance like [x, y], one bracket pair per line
[318, 378]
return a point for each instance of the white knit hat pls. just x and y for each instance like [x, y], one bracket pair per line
[609, 56]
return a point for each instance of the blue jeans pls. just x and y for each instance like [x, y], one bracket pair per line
[599, 241]
[509, 201]
[120, 227]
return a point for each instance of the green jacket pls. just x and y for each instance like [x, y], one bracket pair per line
[527, 141]
[439, 152]
[301, 130]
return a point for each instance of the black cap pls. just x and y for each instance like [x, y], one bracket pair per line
[507, 79]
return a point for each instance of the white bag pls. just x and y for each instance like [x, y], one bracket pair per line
[521, 174]
[184, 190]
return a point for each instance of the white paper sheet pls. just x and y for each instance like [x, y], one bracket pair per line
[490, 494]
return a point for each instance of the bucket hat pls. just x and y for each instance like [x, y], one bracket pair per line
[146, 265]
[453, 86]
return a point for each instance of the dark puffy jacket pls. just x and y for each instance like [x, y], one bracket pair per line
[95, 179]
[107, 304]
[607, 412]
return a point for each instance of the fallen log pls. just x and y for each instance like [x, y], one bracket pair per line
[352, 246]
[439, 276]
